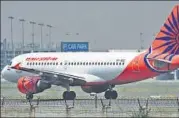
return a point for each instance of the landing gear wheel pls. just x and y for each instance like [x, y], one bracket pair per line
[69, 95]
[73, 94]
[111, 94]
[29, 96]
[114, 94]
[107, 95]
[65, 95]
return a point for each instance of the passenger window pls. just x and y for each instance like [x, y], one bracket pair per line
[83, 63]
[74, 63]
[113, 63]
[27, 63]
[36, 63]
[86, 63]
[110, 63]
[101, 63]
[98, 63]
[89, 63]
[80, 63]
[71, 63]
[47, 63]
[104, 63]
[56, 63]
[95, 63]
[92, 63]
[44, 63]
[77, 63]
[60, 63]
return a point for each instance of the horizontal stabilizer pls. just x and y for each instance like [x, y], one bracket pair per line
[160, 60]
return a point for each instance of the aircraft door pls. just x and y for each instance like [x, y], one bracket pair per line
[65, 65]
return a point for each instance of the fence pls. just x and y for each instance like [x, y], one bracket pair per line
[127, 107]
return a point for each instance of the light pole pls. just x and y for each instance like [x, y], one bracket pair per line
[49, 26]
[141, 41]
[22, 20]
[12, 43]
[41, 44]
[31, 22]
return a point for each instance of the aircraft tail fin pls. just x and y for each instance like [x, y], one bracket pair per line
[166, 42]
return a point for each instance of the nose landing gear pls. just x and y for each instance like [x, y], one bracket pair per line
[29, 97]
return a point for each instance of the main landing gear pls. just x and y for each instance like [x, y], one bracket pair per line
[111, 94]
[69, 95]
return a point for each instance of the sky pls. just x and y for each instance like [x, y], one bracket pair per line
[104, 24]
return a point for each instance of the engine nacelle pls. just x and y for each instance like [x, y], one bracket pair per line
[96, 88]
[31, 84]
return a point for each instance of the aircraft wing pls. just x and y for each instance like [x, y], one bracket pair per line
[54, 77]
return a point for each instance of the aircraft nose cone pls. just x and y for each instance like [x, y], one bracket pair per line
[4, 72]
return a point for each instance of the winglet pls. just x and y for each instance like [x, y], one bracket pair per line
[17, 66]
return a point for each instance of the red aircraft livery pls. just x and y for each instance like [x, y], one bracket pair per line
[41, 58]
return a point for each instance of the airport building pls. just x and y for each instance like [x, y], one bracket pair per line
[169, 76]
[177, 74]
[166, 76]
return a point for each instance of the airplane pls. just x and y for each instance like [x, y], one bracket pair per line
[96, 72]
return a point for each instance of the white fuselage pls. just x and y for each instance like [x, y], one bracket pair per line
[94, 66]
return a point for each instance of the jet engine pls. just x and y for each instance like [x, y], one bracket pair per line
[95, 88]
[32, 84]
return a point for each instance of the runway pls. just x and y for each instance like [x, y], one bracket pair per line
[143, 89]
